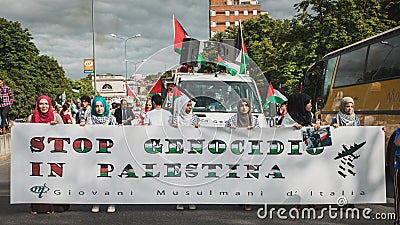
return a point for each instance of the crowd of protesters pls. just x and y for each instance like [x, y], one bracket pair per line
[296, 113]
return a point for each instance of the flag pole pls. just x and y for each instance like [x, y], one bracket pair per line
[242, 44]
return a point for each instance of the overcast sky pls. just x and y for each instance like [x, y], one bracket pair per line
[62, 28]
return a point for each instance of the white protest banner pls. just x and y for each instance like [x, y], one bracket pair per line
[166, 165]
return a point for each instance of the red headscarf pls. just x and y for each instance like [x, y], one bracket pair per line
[38, 116]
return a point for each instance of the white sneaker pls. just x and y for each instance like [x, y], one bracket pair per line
[111, 208]
[179, 207]
[192, 207]
[95, 208]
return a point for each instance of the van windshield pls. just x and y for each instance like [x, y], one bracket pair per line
[211, 96]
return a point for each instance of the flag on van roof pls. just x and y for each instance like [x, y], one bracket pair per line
[179, 35]
[274, 96]
[231, 67]
[243, 56]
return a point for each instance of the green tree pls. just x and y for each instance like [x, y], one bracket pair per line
[29, 74]
[284, 49]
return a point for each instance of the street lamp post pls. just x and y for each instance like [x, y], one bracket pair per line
[144, 60]
[126, 60]
[135, 74]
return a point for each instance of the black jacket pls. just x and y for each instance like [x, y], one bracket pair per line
[118, 115]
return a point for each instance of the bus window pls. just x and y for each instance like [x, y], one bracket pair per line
[383, 59]
[330, 68]
[351, 68]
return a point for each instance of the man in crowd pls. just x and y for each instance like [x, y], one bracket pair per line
[6, 100]
[158, 116]
[123, 114]
[84, 111]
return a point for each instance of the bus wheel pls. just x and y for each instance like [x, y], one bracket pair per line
[390, 157]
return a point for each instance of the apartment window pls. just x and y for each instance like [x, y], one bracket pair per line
[236, 12]
[255, 12]
[227, 23]
[213, 13]
[213, 24]
[246, 12]
[227, 13]
[236, 23]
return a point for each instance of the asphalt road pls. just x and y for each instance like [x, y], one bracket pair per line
[167, 214]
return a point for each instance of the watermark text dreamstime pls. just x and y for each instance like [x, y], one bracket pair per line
[331, 211]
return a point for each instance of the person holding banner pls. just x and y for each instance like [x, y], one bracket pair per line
[243, 117]
[44, 114]
[299, 112]
[100, 115]
[183, 116]
[346, 115]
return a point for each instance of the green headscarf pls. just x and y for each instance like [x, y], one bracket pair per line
[106, 108]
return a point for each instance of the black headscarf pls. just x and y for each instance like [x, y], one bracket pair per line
[297, 108]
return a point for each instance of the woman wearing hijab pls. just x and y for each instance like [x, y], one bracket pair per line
[243, 117]
[100, 115]
[299, 112]
[346, 115]
[184, 115]
[44, 114]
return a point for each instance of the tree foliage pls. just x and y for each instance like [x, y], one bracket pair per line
[284, 49]
[29, 74]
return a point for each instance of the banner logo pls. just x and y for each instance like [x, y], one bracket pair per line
[40, 190]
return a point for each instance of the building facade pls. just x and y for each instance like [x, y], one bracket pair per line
[114, 86]
[226, 13]
[111, 86]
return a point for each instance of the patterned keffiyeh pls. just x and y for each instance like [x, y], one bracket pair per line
[101, 120]
[347, 119]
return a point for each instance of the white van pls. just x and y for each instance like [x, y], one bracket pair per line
[217, 96]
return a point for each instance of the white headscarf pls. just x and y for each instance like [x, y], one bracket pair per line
[343, 118]
[184, 119]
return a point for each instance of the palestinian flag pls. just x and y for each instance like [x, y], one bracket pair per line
[158, 88]
[130, 92]
[231, 67]
[179, 35]
[274, 96]
[201, 63]
[180, 103]
[243, 57]
[172, 94]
